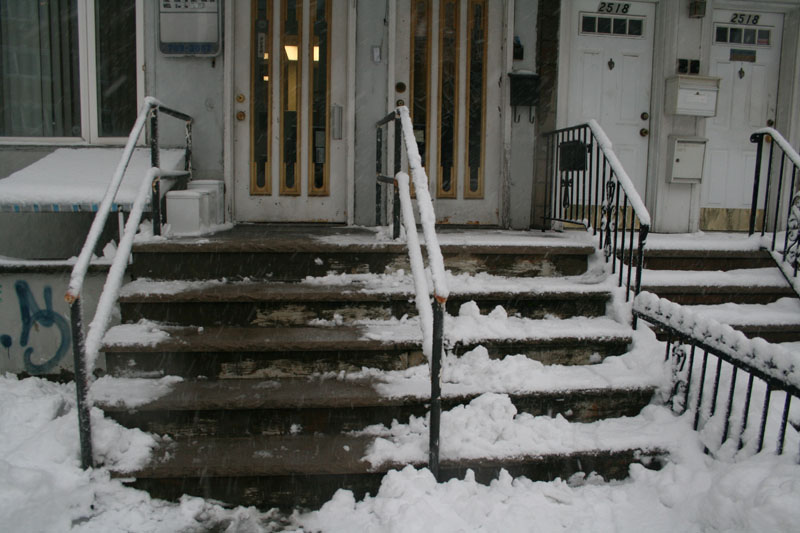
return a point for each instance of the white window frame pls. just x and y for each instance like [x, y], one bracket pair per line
[87, 55]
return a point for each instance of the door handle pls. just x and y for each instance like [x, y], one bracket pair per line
[644, 132]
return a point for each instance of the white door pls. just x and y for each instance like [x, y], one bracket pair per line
[290, 91]
[610, 67]
[448, 61]
[745, 54]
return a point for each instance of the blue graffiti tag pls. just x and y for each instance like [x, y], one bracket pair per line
[31, 314]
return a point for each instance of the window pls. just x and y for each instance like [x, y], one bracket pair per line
[742, 35]
[616, 26]
[68, 69]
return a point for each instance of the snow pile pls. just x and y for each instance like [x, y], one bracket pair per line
[693, 495]
[42, 487]
[771, 359]
[490, 427]
[130, 392]
[145, 332]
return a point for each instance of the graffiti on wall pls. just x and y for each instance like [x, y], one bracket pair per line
[32, 318]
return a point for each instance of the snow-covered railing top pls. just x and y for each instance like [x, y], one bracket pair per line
[425, 205]
[791, 153]
[622, 176]
[771, 362]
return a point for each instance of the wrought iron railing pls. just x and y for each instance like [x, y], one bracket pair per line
[431, 318]
[780, 206]
[763, 365]
[86, 348]
[587, 186]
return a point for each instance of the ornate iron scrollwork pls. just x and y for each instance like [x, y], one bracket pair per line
[793, 230]
[607, 226]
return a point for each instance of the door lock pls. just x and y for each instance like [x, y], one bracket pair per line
[240, 98]
[240, 115]
[645, 115]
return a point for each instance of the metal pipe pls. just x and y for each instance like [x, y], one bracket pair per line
[436, 385]
[398, 132]
[81, 385]
[784, 420]
[729, 406]
[700, 395]
[764, 414]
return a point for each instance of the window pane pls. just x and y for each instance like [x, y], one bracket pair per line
[763, 37]
[635, 27]
[722, 34]
[736, 35]
[419, 75]
[115, 28]
[588, 24]
[39, 80]
[261, 46]
[603, 25]
[448, 96]
[620, 26]
[320, 71]
[749, 36]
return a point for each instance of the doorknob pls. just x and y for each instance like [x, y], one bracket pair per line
[770, 123]
[644, 132]
[240, 115]
[645, 115]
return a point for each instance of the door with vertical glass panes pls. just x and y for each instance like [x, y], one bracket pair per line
[448, 63]
[290, 92]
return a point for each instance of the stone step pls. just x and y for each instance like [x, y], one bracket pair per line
[305, 470]
[775, 333]
[709, 295]
[693, 259]
[242, 407]
[295, 252]
[295, 304]
[144, 350]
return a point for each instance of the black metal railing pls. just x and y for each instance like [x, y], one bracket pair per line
[431, 313]
[735, 358]
[83, 365]
[587, 186]
[780, 207]
[383, 180]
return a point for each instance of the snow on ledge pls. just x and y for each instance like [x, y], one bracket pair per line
[80, 176]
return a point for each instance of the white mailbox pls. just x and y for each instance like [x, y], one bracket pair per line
[692, 95]
[686, 159]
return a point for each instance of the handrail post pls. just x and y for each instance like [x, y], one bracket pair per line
[436, 385]
[378, 172]
[756, 138]
[398, 131]
[155, 162]
[81, 385]
[644, 229]
[187, 158]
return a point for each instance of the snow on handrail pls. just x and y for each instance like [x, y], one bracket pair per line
[108, 297]
[622, 177]
[422, 300]
[782, 142]
[769, 359]
[82, 264]
[425, 204]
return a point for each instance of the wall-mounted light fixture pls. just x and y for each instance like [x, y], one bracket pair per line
[697, 9]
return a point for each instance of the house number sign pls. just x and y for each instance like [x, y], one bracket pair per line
[743, 18]
[616, 7]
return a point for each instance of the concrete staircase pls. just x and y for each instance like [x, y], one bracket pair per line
[263, 416]
[741, 287]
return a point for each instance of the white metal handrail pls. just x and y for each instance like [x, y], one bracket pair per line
[85, 351]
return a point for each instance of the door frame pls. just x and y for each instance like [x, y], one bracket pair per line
[230, 168]
[568, 11]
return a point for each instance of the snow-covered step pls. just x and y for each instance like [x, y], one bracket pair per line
[260, 303]
[305, 470]
[279, 252]
[286, 406]
[753, 286]
[705, 259]
[150, 349]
